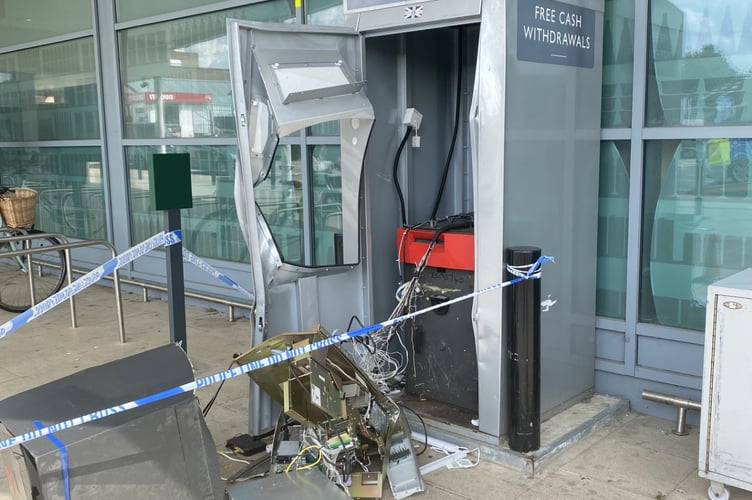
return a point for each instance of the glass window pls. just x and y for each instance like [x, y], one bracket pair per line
[618, 57]
[49, 93]
[176, 81]
[697, 226]
[280, 198]
[128, 10]
[69, 185]
[22, 21]
[698, 63]
[613, 208]
[211, 227]
[325, 12]
[304, 206]
[326, 186]
[326, 129]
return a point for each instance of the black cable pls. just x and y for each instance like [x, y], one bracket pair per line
[394, 174]
[458, 224]
[402, 247]
[425, 430]
[455, 222]
[458, 105]
[354, 318]
[264, 434]
[209, 405]
[365, 340]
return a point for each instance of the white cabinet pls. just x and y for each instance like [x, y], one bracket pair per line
[726, 417]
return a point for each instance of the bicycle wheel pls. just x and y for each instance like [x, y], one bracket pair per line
[48, 268]
[86, 222]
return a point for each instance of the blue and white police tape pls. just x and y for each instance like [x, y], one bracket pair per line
[194, 259]
[96, 274]
[532, 273]
[88, 279]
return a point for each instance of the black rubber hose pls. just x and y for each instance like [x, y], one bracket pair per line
[458, 105]
[394, 174]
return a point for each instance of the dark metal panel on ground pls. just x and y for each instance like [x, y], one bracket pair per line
[161, 450]
[305, 485]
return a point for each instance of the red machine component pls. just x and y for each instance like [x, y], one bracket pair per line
[454, 249]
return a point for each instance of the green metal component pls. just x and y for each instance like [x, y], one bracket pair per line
[170, 181]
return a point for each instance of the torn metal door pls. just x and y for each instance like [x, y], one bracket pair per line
[298, 209]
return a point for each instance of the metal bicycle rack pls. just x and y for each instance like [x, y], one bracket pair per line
[66, 247]
[146, 286]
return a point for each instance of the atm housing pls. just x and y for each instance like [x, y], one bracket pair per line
[524, 164]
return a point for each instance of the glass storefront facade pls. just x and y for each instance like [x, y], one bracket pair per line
[71, 197]
[49, 93]
[695, 227]
[176, 96]
[674, 180]
[681, 126]
[176, 80]
[613, 218]
[618, 63]
[210, 227]
[24, 22]
[699, 60]
[674, 185]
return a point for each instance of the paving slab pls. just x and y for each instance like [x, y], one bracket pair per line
[565, 485]
[632, 468]
[647, 432]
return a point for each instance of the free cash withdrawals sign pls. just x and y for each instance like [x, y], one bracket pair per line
[555, 33]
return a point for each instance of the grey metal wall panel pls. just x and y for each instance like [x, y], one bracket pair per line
[306, 303]
[668, 377]
[609, 345]
[382, 208]
[283, 314]
[488, 126]
[550, 200]
[430, 82]
[336, 313]
[422, 67]
[403, 17]
[669, 355]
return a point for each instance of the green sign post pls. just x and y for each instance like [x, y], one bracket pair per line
[170, 187]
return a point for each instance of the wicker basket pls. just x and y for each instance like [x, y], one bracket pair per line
[18, 207]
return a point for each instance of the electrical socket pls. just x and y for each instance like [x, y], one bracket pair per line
[413, 117]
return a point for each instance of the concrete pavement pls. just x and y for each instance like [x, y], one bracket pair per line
[633, 457]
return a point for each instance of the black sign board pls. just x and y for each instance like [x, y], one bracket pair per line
[555, 33]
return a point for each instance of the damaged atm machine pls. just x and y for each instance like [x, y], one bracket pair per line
[387, 166]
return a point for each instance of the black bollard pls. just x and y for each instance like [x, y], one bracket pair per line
[523, 350]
